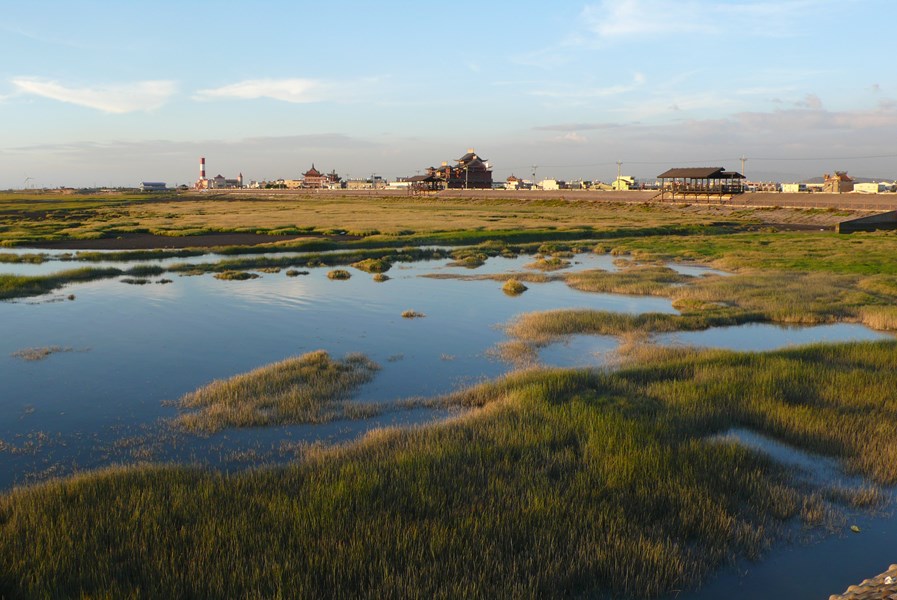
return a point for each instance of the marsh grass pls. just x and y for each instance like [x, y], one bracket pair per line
[412, 314]
[552, 263]
[236, 275]
[295, 272]
[641, 280]
[34, 259]
[39, 353]
[564, 483]
[513, 287]
[339, 274]
[372, 265]
[380, 277]
[312, 388]
[16, 286]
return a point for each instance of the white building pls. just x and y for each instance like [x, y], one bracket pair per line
[791, 188]
[624, 182]
[872, 188]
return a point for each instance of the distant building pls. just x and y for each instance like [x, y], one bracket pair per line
[513, 183]
[700, 182]
[152, 186]
[838, 183]
[219, 182]
[871, 188]
[313, 178]
[791, 188]
[623, 183]
[470, 172]
[549, 185]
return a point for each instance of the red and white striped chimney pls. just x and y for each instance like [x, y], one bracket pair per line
[202, 167]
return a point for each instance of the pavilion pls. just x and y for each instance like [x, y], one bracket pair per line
[700, 182]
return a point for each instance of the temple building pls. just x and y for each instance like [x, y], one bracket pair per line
[470, 172]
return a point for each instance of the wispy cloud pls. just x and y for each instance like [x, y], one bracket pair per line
[294, 90]
[585, 93]
[570, 138]
[616, 19]
[113, 98]
[572, 127]
[287, 90]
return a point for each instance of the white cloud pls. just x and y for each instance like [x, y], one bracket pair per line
[287, 90]
[114, 98]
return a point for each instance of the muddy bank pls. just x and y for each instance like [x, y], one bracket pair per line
[148, 241]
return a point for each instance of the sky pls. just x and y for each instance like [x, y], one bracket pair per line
[112, 93]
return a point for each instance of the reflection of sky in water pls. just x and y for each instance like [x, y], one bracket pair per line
[135, 346]
[827, 564]
[759, 337]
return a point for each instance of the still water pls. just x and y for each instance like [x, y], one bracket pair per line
[131, 348]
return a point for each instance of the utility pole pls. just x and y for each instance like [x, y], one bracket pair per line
[534, 175]
[619, 171]
[743, 160]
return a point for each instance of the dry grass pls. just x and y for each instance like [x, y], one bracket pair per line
[33, 354]
[513, 287]
[412, 314]
[235, 275]
[339, 275]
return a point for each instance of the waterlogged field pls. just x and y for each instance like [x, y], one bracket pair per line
[535, 482]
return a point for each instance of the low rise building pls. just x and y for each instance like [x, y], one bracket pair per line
[838, 183]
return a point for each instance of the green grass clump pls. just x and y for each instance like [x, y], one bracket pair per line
[34, 259]
[339, 274]
[17, 286]
[373, 265]
[639, 280]
[513, 287]
[295, 272]
[552, 263]
[469, 261]
[566, 483]
[236, 275]
[312, 388]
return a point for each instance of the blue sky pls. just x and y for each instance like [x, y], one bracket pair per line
[118, 92]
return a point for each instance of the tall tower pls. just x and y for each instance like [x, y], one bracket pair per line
[202, 167]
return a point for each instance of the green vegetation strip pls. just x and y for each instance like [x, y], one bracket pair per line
[312, 388]
[566, 483]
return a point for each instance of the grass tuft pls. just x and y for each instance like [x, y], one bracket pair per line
[513, 287]
[312, 388]
[339, 275]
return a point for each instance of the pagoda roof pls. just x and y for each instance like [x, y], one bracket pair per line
[700, 173]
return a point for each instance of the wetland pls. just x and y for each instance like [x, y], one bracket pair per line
[625, 424]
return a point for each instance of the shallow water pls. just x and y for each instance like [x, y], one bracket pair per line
[131, 348]
[800, 570]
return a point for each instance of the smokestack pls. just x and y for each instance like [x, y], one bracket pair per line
[202, 167]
